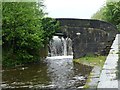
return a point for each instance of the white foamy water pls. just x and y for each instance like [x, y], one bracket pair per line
[60, 57]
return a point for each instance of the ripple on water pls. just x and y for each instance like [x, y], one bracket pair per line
[54, 72]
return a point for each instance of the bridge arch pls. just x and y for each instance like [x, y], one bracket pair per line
[88, 36]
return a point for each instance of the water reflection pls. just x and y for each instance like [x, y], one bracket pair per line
[25, 76]
[51, 73]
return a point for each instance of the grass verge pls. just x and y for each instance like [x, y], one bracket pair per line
[91, 60]
[94, 61]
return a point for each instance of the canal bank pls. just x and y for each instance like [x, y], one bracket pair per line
[105, 77]
[108, 78]
[96, 62]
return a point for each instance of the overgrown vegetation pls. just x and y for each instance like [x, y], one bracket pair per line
[110, 13]
[25, 32]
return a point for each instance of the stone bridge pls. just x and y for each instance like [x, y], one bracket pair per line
[88, 36]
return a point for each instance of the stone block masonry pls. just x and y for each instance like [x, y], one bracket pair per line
[95, 36]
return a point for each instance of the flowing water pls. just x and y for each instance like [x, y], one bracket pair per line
[58, 71]
[54, 72]
[60, 46]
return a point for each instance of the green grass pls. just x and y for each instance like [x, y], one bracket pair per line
[92, 60]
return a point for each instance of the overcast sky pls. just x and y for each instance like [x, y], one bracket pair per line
[82, 9]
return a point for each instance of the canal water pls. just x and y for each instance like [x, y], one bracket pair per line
[55, 72]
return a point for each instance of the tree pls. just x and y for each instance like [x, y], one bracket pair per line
[99, 14]
[25, 32]
[110, 13]
[50, 26]
[22, 32]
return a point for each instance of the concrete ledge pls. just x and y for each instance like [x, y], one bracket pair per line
[108, 74]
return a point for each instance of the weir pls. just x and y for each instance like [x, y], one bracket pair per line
[60, 46]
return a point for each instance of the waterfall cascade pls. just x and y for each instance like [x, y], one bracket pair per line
[60, 46]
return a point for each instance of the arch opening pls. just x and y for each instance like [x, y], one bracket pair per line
[60, 46]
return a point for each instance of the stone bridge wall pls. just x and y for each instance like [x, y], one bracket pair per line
[95, 36]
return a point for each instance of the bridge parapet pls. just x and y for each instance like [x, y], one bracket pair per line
[88, 23]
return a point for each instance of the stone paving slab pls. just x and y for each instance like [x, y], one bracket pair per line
[108, 84]
[94, 77]
[108, 74]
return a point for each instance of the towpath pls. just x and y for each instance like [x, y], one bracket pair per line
[108, 73]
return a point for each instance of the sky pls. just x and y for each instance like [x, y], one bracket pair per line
[82, 9]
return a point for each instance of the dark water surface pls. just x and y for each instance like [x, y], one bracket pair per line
[54, 72]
